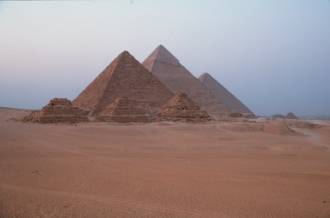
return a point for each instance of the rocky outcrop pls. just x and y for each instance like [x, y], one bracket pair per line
[124, 110]
[182, 108]
[58, 110]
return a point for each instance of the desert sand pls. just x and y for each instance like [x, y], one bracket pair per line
[162, 169]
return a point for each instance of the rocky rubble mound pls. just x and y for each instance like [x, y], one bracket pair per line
[58, 110]
[181, 108]
[125, 110]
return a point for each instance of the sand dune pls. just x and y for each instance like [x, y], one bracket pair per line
[215, 169]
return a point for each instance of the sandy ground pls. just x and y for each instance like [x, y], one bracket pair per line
[219, 169]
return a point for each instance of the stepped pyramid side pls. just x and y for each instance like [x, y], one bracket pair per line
[223, 95]
[177, 78]
[58, 110]
[124, 77]
[124, 110]
[181, 108]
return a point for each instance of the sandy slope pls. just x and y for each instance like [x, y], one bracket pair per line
[161, 170]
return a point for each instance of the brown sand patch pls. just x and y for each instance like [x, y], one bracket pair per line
[160, 170]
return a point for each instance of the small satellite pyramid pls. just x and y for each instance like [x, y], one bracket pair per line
[181, 108]
[177, 78]
[58, 110]
[223, 95]
[125, 77]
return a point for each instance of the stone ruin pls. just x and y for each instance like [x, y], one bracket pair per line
[181, 108]
[58, 110]
[125, 110]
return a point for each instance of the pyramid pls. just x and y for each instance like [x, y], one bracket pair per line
[292, 116]
[124, 110]
[58, 110]
[177, 78]
[124, 77]
[223, 95]
[181, 108]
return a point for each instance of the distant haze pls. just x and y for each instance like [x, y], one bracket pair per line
[273, 55]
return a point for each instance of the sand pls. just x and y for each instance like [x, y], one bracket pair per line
[218, 169]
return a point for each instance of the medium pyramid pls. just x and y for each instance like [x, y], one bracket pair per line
[223, 95]
[124, 77]
[181, 108]
[177, 78]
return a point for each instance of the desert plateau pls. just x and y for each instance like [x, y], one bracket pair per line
[163, 169]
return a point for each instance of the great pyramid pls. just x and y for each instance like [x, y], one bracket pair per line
[223, 95]
[181, 108]
[58, 110]
[124, 110]
[124, 77]
[177, 78]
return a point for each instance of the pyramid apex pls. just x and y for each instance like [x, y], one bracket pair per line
[205, 76]
[160, 46]
[124, 57]
[162, 54]
[124, 53]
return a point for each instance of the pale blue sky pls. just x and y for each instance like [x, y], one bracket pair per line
[274, 55]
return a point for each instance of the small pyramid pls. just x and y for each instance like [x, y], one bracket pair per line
[124, 110]
[291, 116]
[167, 68]
[124, 77]
[58, 110]
[223, 95]
[181, 108]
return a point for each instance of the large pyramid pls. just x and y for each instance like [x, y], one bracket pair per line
[181, 108]
[124, 77]
[177, 78]
[223, 95]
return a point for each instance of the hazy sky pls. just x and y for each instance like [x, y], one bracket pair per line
[274, 55]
